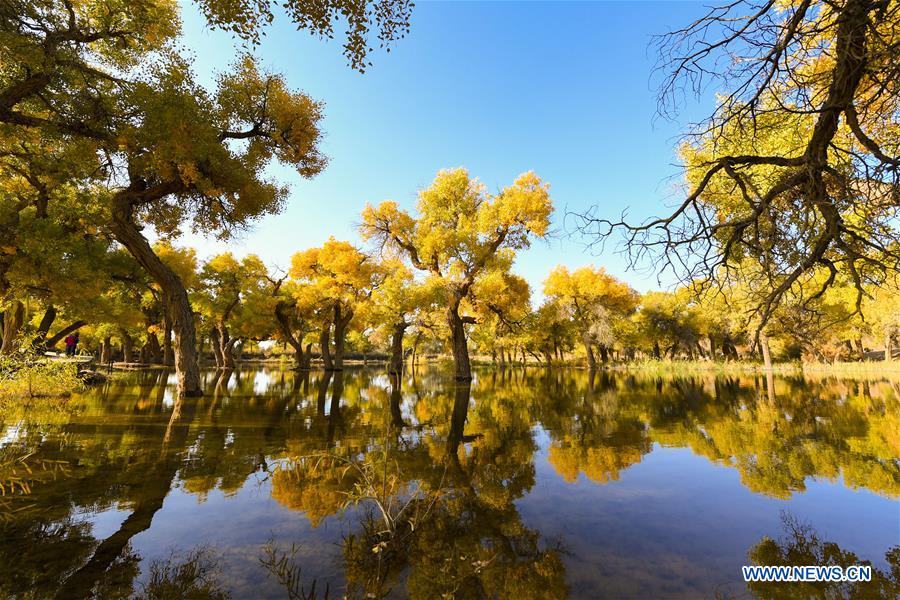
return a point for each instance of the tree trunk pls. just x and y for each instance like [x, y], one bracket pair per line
[604, 353]
[766, 352]
[153, 349]
[325, 346]
[226, 346]
[591, 361]
[44, 326]
[127, 346]
[175, 299]
[106, 351]
[342, 316]
[657, 354]
[395, 366]
[231, 354]
[712, 347]
[168, 353]
[54, 339]
[463, 371]
[13, 319]
[217, 348]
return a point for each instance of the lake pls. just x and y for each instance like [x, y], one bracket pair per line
[528, 483]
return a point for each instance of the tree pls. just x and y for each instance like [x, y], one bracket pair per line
[168, 150]
[798, 166]
[669, 322]
[394, 304]
[227, 283]
[593, 298]
[295, 309]
[460, 234]
[502, 301]
[343, 278]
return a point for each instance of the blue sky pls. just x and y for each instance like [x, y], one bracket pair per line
[561, 88]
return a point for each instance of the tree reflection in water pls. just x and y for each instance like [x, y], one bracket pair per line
[800, 545]
[464, 455]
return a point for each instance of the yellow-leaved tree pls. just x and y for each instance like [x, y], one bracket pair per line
[593, 298]
[343, 278]
[459, 235]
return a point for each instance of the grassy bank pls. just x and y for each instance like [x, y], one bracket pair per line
[39, 379]
[839, 369]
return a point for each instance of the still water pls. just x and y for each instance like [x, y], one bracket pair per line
[527, 483]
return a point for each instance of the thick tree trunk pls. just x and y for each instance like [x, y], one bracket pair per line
[342, 316]
[766, 352]
[712, 347]
[395, 366]
[657, 354]
[44, 326]
[463, 371]
[325, 346]
[591, 361]
[175, 299]
[13, 319]
[54, 339]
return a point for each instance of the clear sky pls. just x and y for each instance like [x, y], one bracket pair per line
[561, 88]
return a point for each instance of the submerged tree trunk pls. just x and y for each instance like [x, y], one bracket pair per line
[174, 296]
[13, 319]
[463, 371]
[395, 366]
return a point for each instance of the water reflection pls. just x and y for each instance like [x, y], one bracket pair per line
[422, 478]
